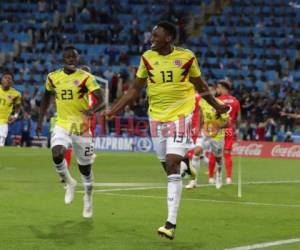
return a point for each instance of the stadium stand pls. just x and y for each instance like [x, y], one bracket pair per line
[255, 43]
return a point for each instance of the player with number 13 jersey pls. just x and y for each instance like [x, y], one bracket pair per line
[169, 91]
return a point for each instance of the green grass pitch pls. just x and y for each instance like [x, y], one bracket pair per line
[126, 216]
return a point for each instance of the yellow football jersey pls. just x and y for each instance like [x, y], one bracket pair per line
[8, 99]
[211, 120]
[170, 94]
[71, 96]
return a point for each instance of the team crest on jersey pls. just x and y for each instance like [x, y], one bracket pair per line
[10, 97]
[76, 82]
[177, 62]
[156, 63]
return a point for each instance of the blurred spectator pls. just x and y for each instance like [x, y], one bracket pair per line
[248, 129]
[108, 73]
[288, 137]
[287, 120]
[25, 130]
[42, 6]
[114, 87]
[270, 129]
[128, 112]
[140, 107]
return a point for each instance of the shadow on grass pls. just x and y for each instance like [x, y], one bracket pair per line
[65, 233]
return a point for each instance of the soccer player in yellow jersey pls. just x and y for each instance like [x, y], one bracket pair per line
[172, 74]
[71, 87]
[9, 99]
[212, 133]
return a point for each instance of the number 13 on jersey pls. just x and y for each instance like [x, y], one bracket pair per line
[167, 76]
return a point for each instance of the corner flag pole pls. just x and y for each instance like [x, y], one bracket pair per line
[239, 177]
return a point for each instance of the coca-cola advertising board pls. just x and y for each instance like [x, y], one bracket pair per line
[266, 149]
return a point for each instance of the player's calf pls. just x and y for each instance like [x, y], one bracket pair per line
[219, 181]
[60, 164]
[173, 195]
[87, 180]
[58, 153]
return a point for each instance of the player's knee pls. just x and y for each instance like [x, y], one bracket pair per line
[58, 159]
[219, 160]
[58, 154]
[85, 169]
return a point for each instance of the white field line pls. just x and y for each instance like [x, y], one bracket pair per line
[270, 182]
[123, 189]
[145, 184]
[267, 244]
[247, 203]
[141, 186]
[126, 184]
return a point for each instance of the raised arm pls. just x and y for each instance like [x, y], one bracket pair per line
[133, 93]
[202, 88]
[296, 116]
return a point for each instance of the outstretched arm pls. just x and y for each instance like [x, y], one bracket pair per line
[202, 88]
[133, 93]
[43, 109]
[296, 116]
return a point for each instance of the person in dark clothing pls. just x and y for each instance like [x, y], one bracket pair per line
[25, 130]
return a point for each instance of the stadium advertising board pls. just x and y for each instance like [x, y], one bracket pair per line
[266, 149]
[240, 148]
[140, 144]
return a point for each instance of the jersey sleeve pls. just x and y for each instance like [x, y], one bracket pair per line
[142, 70]
[195, 70]
[18, 98]
[92, 83]
[49, 85]
[201, 103]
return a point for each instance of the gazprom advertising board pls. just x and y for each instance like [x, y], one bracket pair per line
[140, 144]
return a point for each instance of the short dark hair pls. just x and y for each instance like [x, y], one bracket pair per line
[7, 73]
[69, 47]
[169, 28]
[225, 83]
